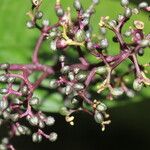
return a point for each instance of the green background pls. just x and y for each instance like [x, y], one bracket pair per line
[130, 117]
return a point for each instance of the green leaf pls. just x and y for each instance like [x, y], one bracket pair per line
[17, 42]
[50, 102]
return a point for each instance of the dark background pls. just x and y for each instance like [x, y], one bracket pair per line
[130, 127]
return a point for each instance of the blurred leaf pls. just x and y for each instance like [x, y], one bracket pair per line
[50, 102]
[17, 42]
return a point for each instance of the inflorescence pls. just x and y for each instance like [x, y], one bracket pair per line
[74, 80]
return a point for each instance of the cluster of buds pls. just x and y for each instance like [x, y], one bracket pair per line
[75, 79]
[18, 104]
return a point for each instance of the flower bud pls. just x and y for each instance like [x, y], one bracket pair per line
[143, 5]
[101, 70]
[5, 141]
[17, 133]
[77, 5]
[104, 43]
[81, 76]
[127, 33]
[117, 91]
[3, 91]
[6, 115]
[144, 43]
[27, 130]
[21, 129]
[3, 104]
[101, 107]
[135, 11]
[88, 34]
[128, 13]
[71, 76]
[42, 116]
[61, 43]
[68, 89]
[85, 21]
[89, 45]
[41, 124]
[124, 3]
[11, 79]
[53, 84]
[34, 101]
[65, 69]
[96, 2]
[45, 22]
[76, 70]
[39, 15]
[62, 58]
[14, 117]
[24, 90]
[98, 117]
[78, 86]
[75, 102]
[86, 14]
[36, 137]
[3, 78]
[30, 24]
[137, 85]
[50, 121]
[3, 147]
[34, 121]
[130, 93]
[4, 66]
[16, 101]
[63, 111]
[80, 35]
[53, 45]
[52, 34]
[53, 137]
[59, 12]
[112, 23]
[103, 30]
[120, 17]
[141, 52]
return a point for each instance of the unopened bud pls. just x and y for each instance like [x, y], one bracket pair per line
[98, 117]
[117, 91]
[4, 66]
[143, 5]
[80, 36]
[101, 70]
[104, 43]
[36, 137]
[30, 24]
[128, 13]
[34, 121]
[124, 3]
[53, 84]
[39, 15]
[3, 91]
[53, 137]
[34, 101]
[50, 121]
[137, 85]
[101, 107]
[78, 86]
[77, 5]
[65, 69]
[59, 12]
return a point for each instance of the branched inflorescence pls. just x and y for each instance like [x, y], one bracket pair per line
[74, 80]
